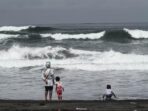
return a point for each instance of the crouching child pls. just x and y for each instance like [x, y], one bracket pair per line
[108, 93]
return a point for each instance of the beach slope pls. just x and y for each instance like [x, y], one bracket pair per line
[71, 105]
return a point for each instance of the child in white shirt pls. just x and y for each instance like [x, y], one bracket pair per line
[108, 93]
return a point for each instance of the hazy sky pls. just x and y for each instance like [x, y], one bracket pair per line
[72, 11]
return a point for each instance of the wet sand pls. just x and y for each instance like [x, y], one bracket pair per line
[71, 105]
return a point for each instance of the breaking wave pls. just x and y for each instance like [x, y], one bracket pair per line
[117, 36]
[137, 34]
[39, 29]
[57, 36]
[17, 53]
[60, 36]
[7, 36]
[13, 28]
[20, 29]
[72, 59]
[32, 32]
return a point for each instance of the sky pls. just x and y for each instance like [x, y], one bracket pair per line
[17, 12]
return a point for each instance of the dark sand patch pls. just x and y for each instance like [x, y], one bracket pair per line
[70, 105]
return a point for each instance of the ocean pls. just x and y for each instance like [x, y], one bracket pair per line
[87, 57]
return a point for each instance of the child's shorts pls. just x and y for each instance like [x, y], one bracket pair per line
[59, 92]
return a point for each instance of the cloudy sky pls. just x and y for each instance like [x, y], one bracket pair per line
[15, 12]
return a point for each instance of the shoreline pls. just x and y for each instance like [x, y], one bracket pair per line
[74, 105]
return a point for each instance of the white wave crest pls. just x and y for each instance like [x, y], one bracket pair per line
[109, 60]
[60, 36]
[13, 28]
[137, 33]
[86, 60]
[6, 36]
[18, 53]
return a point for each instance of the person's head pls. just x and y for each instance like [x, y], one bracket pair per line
[57, 78]
[48, 64]
[108, 86]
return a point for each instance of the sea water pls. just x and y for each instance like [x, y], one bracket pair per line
[87, 57]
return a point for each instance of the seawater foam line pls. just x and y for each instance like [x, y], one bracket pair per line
[85, 60]
[20, 63]
[17, 52]
[6, 36]
[72, 66]
[60, 36]
[105, 67]
[136, 33]
[13, 28]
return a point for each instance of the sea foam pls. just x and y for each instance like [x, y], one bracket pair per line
[137, 34]
[60, 36]
[17, 52]
[13, 28]
[18, 56]
[6, 36]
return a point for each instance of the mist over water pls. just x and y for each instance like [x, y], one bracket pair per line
[82, 55]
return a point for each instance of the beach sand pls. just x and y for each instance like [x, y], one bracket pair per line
[73, 105]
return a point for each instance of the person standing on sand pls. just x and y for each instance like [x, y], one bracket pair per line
[48, 78]
[59, 88]
[109, 93]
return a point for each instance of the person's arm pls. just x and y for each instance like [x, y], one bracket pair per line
[56, 87]
[53, 81]
[44, 78]
[114, 94]
[52, 72]
[63, 88]
[103, 96]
